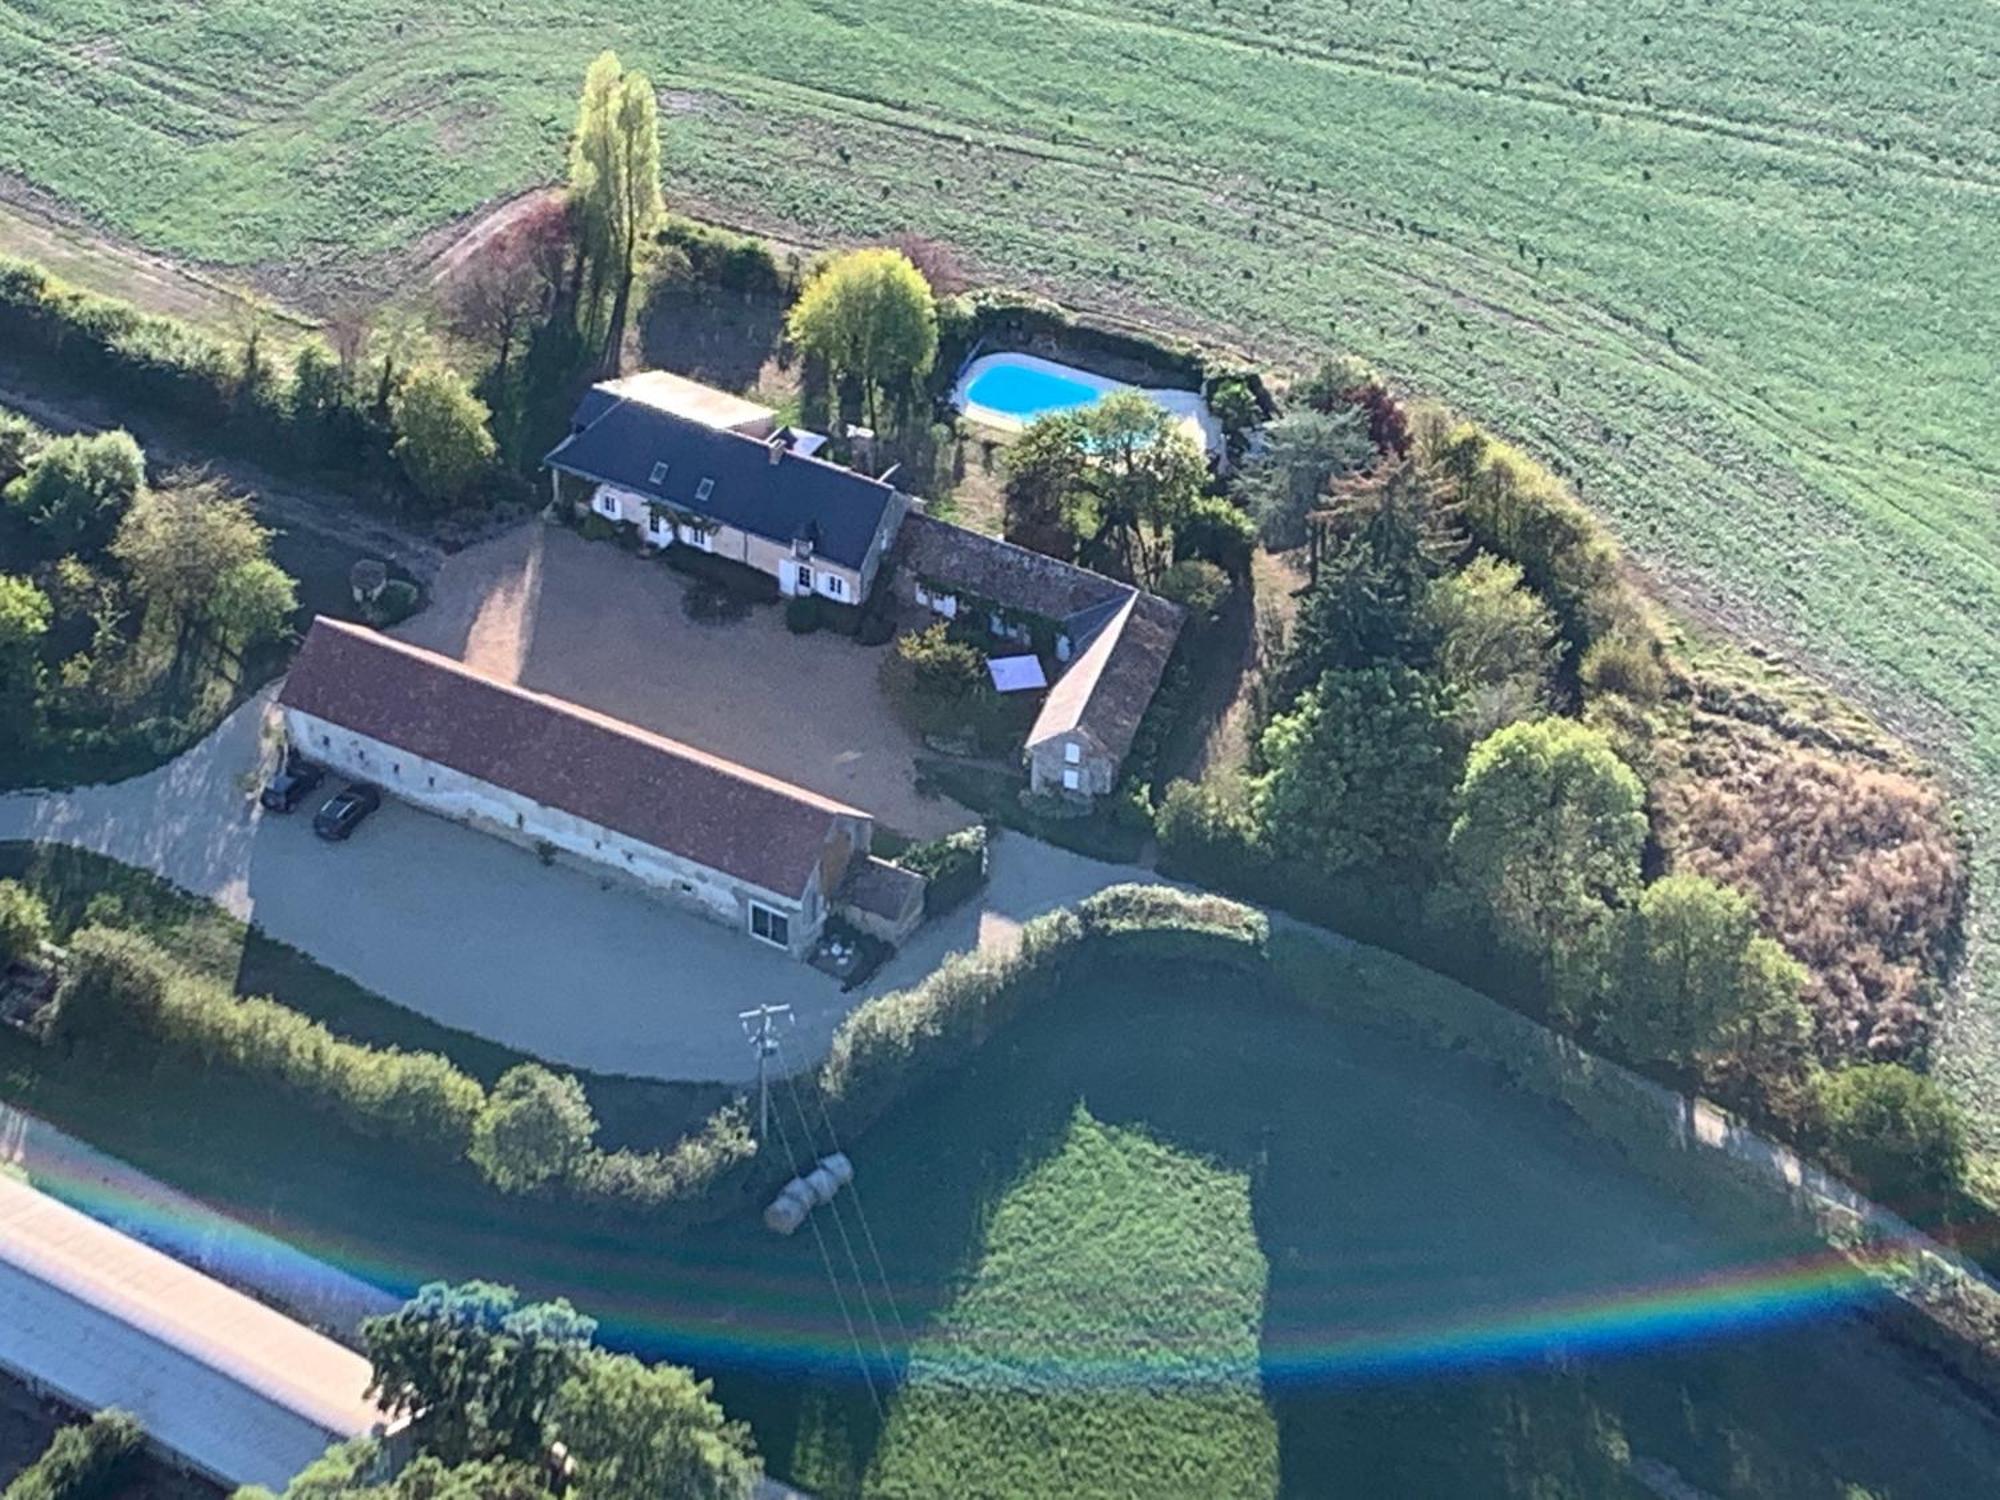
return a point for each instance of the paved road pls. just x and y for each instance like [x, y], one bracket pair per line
[478, 934]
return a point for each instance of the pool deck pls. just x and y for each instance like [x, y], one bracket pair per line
[1196, 419]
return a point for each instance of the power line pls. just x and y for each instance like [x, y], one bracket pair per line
[867, 1233]
[833, 1280]
[840, 1224]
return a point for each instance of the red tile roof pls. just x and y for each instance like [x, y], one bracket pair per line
[653, 789]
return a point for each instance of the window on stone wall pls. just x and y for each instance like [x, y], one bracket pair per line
[772, 926]
[1072, 779]
[1073, 753]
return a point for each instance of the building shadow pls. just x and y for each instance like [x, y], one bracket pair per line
[719, 337]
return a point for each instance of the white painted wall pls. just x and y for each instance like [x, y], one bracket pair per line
[452, 794]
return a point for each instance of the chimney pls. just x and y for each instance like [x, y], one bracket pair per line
[775, 445]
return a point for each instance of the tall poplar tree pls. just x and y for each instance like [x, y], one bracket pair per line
[614, 186]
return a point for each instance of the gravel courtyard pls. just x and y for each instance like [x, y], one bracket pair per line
[591, 623]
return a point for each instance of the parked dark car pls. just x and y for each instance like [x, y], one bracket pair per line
[345, 809]
[288, 788]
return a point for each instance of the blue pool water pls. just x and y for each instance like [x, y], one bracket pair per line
[1025, 392]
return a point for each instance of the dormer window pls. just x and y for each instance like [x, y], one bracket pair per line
[703, 490]
[659, 475]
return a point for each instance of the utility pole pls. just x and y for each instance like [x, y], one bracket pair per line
[767, 1046]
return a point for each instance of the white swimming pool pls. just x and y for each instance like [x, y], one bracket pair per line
[1010, 390]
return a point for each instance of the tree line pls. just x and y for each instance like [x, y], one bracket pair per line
[1455, 731]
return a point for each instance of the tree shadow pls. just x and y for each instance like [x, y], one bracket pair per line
[719, 337]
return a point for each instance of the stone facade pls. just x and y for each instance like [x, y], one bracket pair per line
[679, 881]
[1071, 765]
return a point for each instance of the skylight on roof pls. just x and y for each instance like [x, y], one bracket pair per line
[703, 490]
[659, 474]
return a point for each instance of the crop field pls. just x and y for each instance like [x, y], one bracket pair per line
[1732, 268]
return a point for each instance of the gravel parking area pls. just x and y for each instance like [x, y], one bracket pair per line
[590, 622]
[479, 934]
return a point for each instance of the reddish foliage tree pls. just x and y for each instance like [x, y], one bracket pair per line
[937, 262]
[505, 281]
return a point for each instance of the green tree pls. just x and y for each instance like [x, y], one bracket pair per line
[640, 1432]
[319, 387]
[475, 1371]
[20, 442]
[1304, 452]
[78, 489]
[1143, 477]
[442, 438]
[1235, 407]
[253, 602]
[1549, 828]
[25, 615]
[1367, 603]
[869, 316]
[1693, 978]
[1361, 773]
[1044, 467]
[178, 543]
[24, 922]
[1196, 583]
[1894, 1132]
[357, 1470]
[83, 1460]
[536, 1127]
[1496, 643]
[1214, 528]
[614, 186]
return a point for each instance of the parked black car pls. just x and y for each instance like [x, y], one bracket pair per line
[345, 809]
[288, 788]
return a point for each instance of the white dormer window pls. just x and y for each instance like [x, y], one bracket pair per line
[1072, 754]
[659, 474]
[703, 490]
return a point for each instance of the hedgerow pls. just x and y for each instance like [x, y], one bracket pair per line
[82, 1462]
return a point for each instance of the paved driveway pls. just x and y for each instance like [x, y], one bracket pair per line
[478, 934]
[591, 623]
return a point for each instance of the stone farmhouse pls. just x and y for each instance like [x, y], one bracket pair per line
[766, 857]
[1114, 640]
[689, 466]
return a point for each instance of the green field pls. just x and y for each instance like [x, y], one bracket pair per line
[1733, 269]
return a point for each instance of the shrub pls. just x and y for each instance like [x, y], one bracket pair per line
[1216, 529]
[114, 987]
[593, 527]
[955, 866]
[82, 1462]
[398, 600]
[1196, 583]
[943, 670]
[1893, 1132]
[537, 1126]
[24, 922]
[1514, 508]
[802, 614]
[1626, 662]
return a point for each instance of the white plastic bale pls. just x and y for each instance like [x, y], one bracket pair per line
[841, 1168]
[822, 1184]
[786, 1213]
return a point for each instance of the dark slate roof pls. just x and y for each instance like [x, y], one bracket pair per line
[936, 551]
[656, 790]
[618, 441]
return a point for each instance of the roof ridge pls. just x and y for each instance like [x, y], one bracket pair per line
[734, 769]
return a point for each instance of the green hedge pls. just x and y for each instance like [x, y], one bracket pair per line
[82, 1462]
[121, 990]
[719, 257]
[955, 866]
[1014, 320]
[173, 368]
